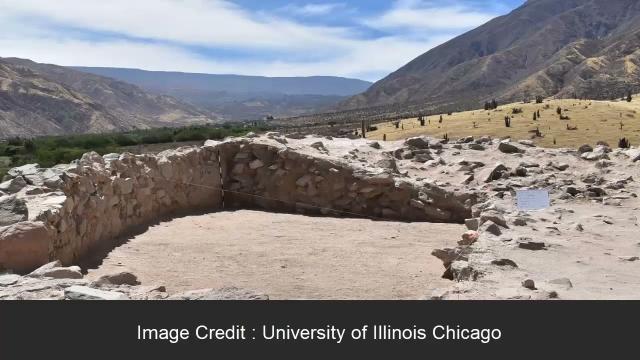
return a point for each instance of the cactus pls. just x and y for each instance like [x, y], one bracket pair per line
[624, 143]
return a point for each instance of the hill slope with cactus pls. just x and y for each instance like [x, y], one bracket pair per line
[569, 48]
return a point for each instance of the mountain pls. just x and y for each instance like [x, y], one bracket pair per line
[236, 97]
[563, 48]
[39, 99]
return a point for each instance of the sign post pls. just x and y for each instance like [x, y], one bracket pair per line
[528, 200]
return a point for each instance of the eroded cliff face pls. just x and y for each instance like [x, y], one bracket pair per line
[65, 212]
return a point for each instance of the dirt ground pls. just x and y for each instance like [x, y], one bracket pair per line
[288, 256]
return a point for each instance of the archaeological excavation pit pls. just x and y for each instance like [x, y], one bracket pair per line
[286, 256]
[289, 221]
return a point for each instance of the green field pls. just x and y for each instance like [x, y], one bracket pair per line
[52, 150]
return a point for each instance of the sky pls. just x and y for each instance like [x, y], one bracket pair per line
[365, 39]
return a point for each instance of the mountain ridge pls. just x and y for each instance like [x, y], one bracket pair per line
[43, 99]
[543, 48]
[240, 97]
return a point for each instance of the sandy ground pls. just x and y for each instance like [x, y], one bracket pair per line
[598, 262]
[288, 256]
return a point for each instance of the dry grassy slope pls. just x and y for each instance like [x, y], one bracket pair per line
[596, 120]
[39, 99]
[546, 47]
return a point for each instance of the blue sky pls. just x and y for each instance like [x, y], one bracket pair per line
[357, 38]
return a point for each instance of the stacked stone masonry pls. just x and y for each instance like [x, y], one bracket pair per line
[65, 212]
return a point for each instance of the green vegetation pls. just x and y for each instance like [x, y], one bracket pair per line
[52, 150]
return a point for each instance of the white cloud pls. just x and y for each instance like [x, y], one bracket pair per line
[369, 60]
[421, 15]
[163, 35]
[314, 9]
[197, 22]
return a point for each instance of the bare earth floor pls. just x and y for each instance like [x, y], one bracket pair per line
[288, 256]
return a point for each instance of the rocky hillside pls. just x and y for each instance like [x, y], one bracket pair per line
[38, 99]
[569, 48]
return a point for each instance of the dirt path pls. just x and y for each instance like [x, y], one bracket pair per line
[288, 256]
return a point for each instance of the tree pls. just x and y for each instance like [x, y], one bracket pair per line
[629, 98]
[494, 104]
[535, 116]
[559, 110]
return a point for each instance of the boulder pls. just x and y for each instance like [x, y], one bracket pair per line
[504, 262]
[29, 169]
[509, 148]
[417, 143]
[448, 256]
[633, 154]
[461, 270]
[599, 153]
[14, 185]
[9, 279]
[490, 174]
[12, 210]
[585, 149]
[86, 293]
[531, 245]
[24, 246]
[477, 147]
[521, 171]
[494, 216]
[491, 228]
[520, 221]
[422, 158]
[469, 238]
[319, 146]
[472, 224]
[119, 278]
[72, 272]
[529, 284]
[48, 266]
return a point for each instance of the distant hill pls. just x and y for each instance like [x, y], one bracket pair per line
[236, 97]
[563, 48]
[40, 99]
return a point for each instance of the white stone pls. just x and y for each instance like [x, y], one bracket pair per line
[256, 164]
[86, 293]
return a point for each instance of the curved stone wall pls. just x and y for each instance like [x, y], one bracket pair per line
[72, 209]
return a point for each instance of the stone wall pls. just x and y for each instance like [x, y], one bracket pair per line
[69, 210]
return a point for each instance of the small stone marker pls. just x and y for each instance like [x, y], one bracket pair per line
[533, 199]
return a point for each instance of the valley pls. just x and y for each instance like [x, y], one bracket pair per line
[500, 164]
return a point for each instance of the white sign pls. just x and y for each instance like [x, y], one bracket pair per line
[533, 199]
